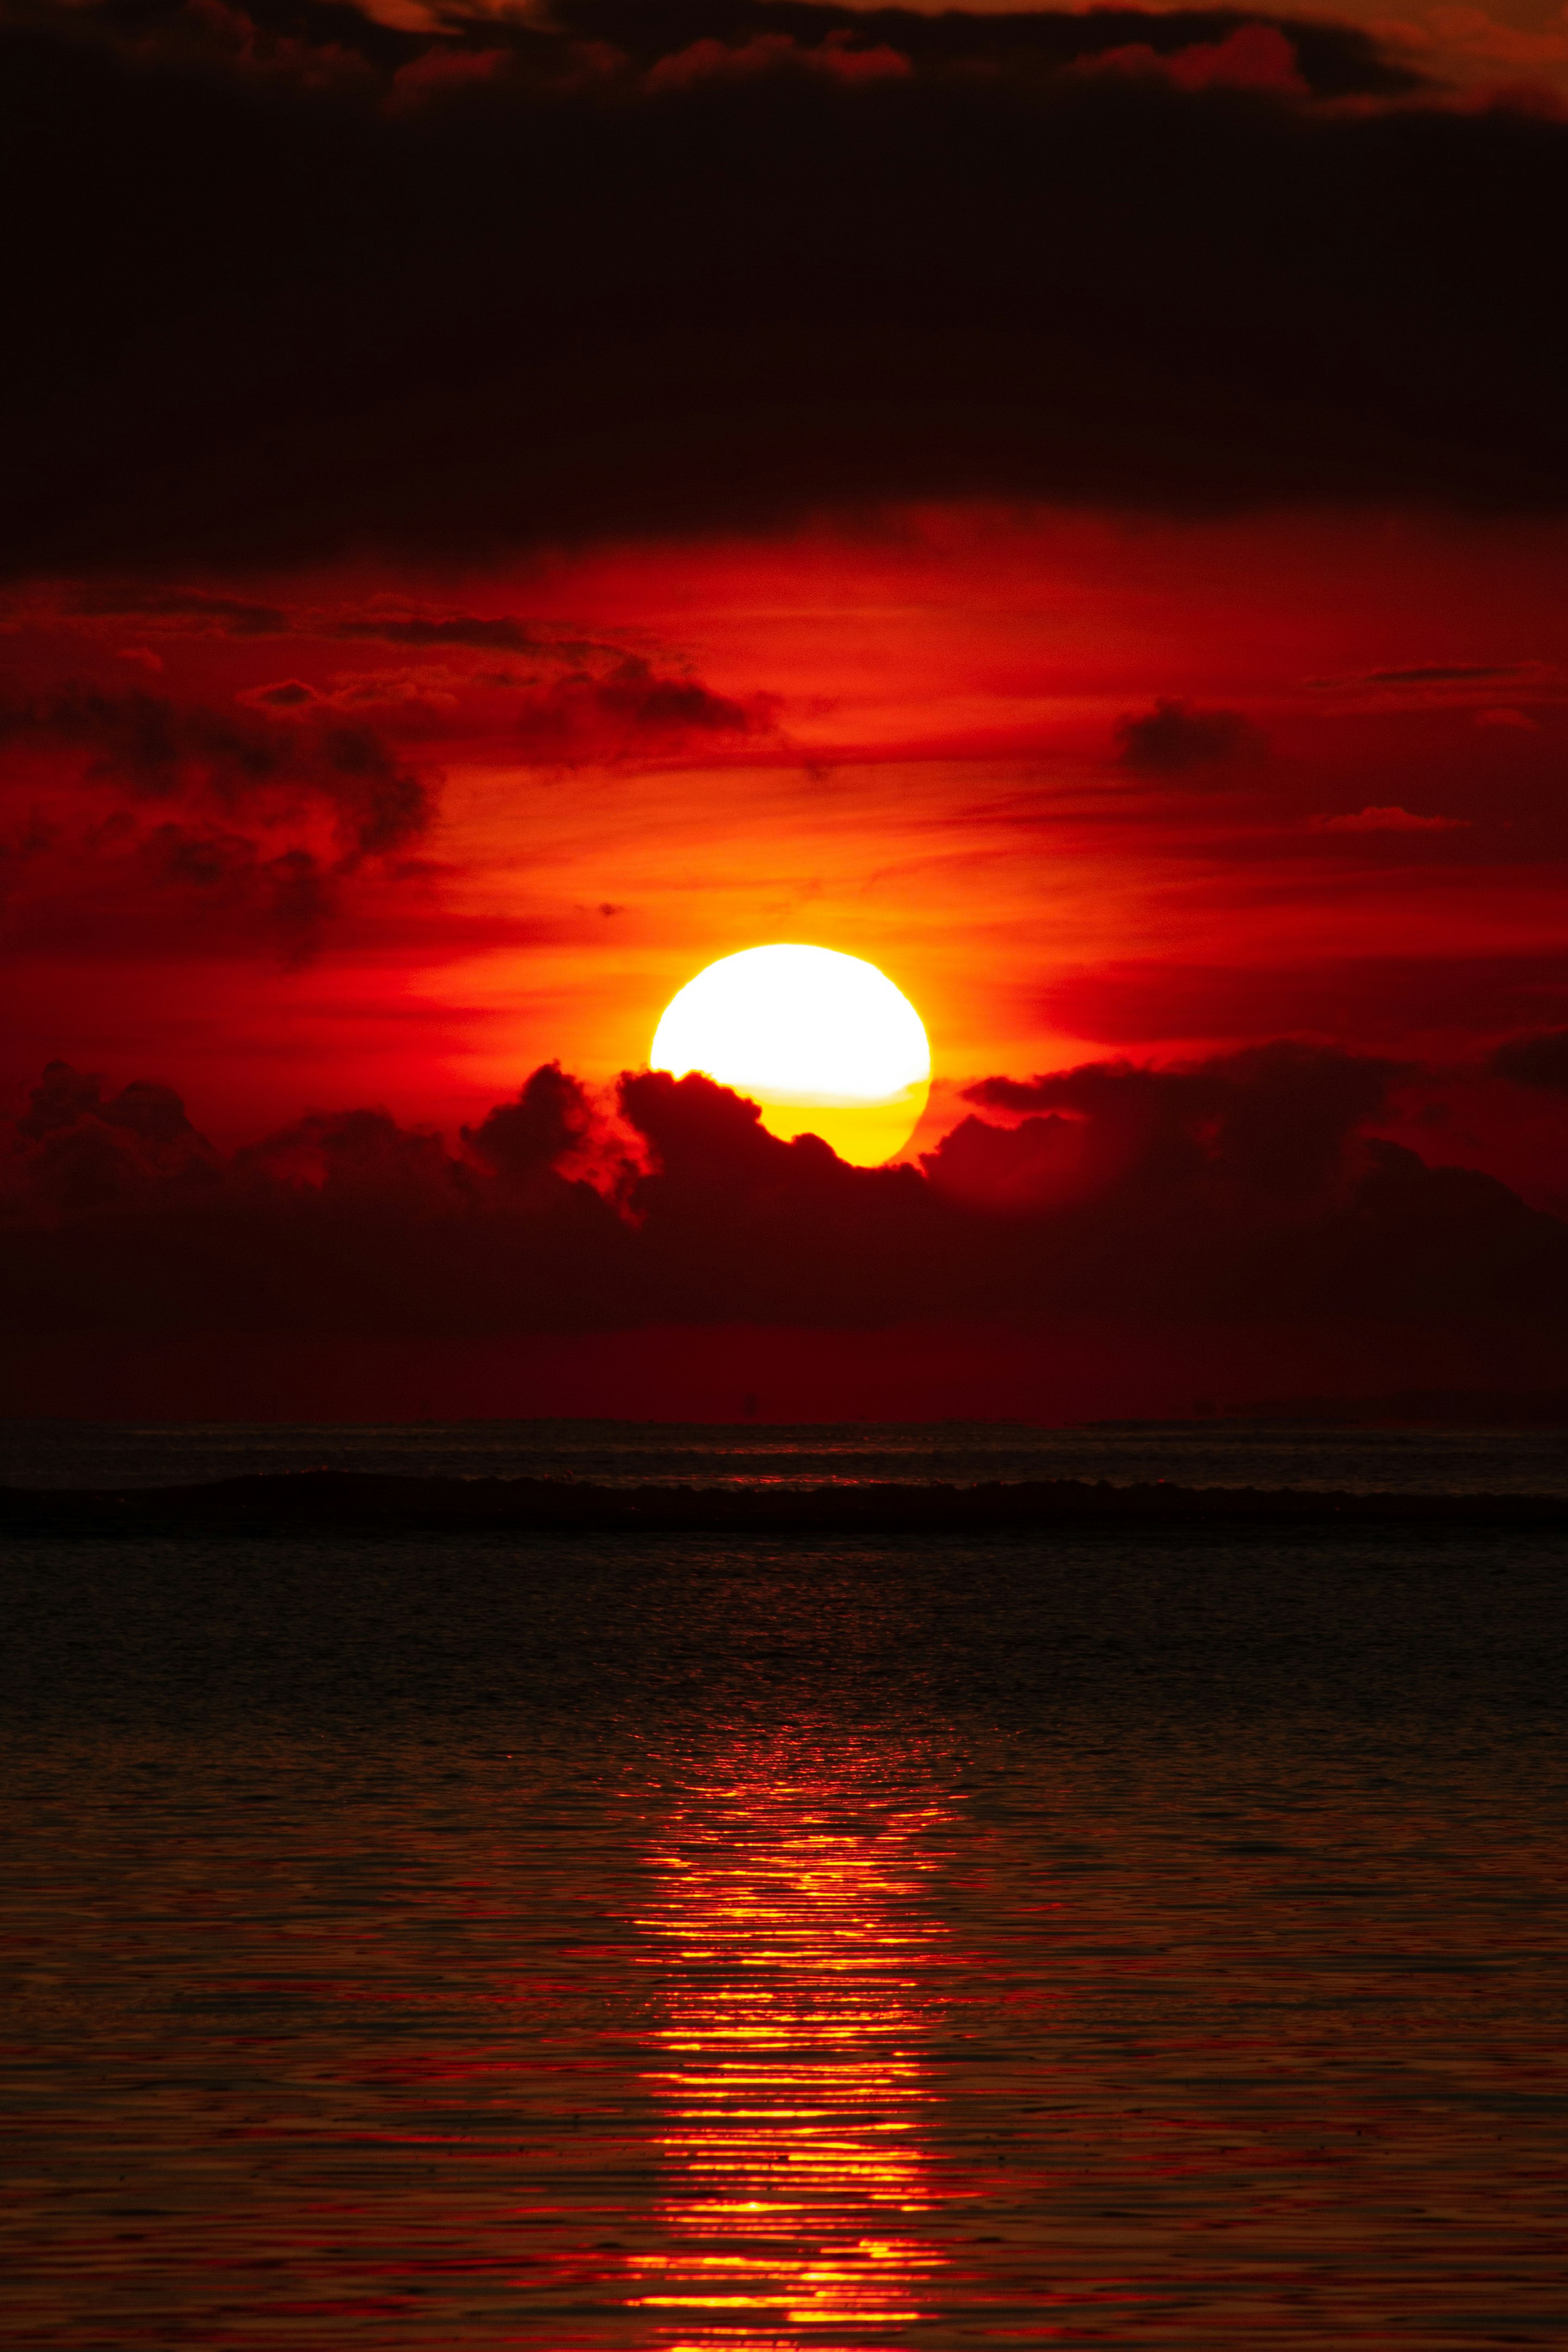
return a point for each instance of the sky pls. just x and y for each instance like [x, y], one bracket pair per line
[500, 509]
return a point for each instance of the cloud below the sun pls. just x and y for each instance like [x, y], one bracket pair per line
[1248, 1187]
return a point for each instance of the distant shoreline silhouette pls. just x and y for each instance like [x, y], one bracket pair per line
[361, 1503]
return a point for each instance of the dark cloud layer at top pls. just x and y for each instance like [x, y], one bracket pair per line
[1334, 60]
[294, 283]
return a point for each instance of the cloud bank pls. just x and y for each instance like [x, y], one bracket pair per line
[1243, 1189]
[297, 283]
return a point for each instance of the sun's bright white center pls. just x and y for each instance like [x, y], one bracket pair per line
[822, 1041]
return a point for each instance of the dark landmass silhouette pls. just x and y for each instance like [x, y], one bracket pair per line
[1413, 1409]
[354, 1502]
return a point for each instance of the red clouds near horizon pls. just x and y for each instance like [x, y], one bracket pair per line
[1190, 1207]
[1069, 507]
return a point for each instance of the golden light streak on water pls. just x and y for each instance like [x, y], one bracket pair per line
[799, 1968]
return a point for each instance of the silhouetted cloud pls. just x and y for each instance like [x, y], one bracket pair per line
[1172, 739]
[292, 891]
[185, 609]
[1270, 1122]
[1245, 1188]
[171, 827]
[1337, 60]
[1389, 820]
[1254, 56]
[162, 750]
[79, 1152]
[63, 1097]
[499, 633]
[523, 1139]
[1446, 673]
[1538, 1061]
[631, 709]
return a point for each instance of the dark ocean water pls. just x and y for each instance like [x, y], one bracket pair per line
[808, 1945]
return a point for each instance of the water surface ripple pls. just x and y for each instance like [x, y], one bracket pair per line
[813, 1946]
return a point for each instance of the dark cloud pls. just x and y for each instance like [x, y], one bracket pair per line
[1445, 673]
[187, 610]
[522, 1140]
[159, 750]
[1174, 739]
[98, 889]
[79, 1151]
[502, 633]
[559, 296]
[64, 1096]
[293, 892]
[1010, 1168]
[1538, 1061]
[632, 708]
[233, 829]
[1255, 57]
[1029, 47]
[1270, 1122]
[1388, 820]
[1244, 1187]
[1245, 1190]
[199, 612]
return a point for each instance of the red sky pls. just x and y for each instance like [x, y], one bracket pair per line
[1069, 508]
[903, 743]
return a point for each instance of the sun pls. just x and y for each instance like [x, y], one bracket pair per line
[823, 1043]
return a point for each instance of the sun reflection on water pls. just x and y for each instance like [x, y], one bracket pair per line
[797, 1965]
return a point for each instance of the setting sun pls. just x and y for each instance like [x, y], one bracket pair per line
[823, 1043]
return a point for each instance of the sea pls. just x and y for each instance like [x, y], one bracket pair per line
[1150, 1940]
